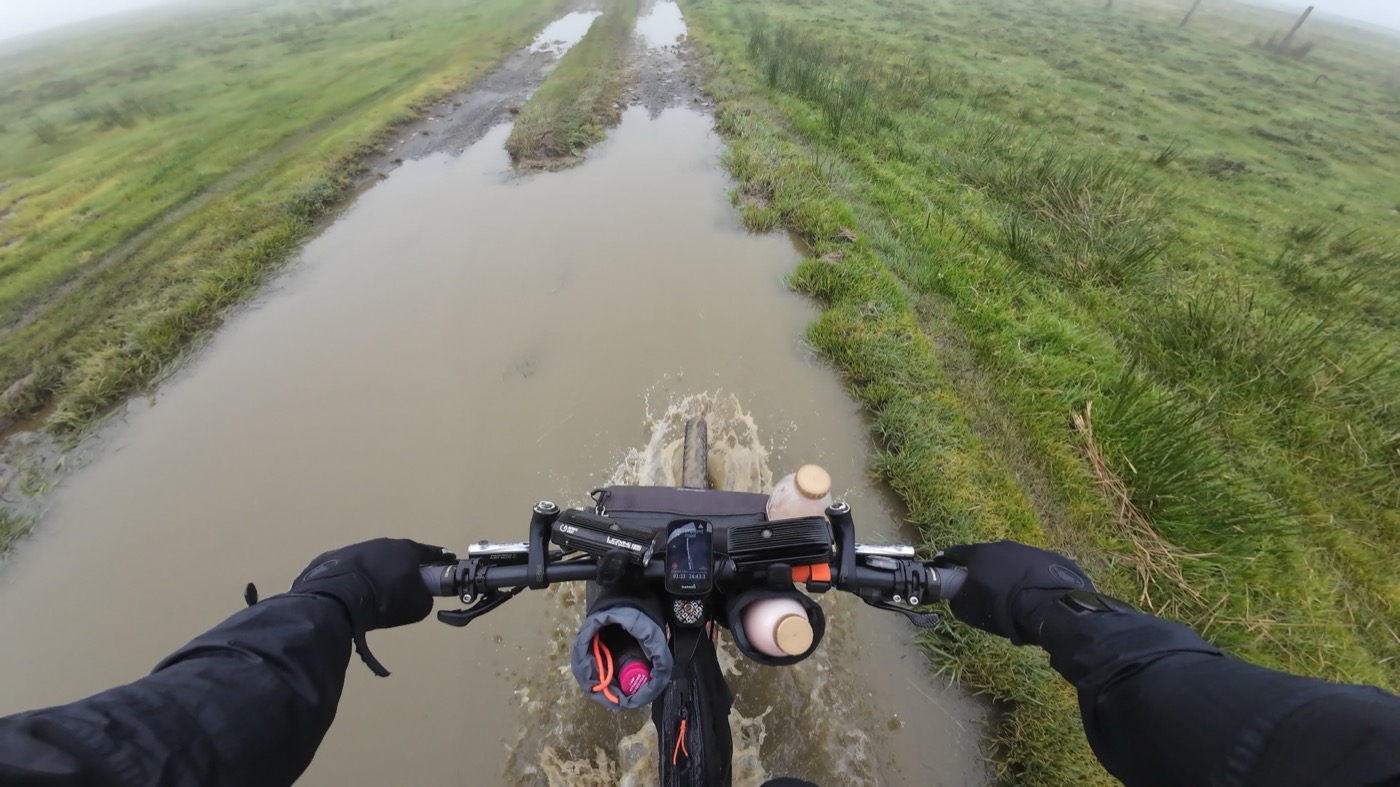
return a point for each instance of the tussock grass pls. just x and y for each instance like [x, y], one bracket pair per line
[1139, 376]
[579, 101]
[1095, 217]
[1153, 558]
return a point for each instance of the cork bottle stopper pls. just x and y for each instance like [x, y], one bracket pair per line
[812, 482]
[793, 635]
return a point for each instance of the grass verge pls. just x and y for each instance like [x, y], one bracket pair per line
[581, 99]
[12, 526]
[1095, 303]
[154, 169]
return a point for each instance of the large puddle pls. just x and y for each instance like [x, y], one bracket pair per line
[459, 344]
[560, 35]
[662, 25]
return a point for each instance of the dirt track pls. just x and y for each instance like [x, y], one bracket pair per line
[658, 78]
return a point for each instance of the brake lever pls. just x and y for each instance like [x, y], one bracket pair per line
[924, 620]
[461, 617]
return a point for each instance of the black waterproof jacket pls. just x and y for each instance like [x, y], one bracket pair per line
[1161, 706]
[249, 702]
[245, 704]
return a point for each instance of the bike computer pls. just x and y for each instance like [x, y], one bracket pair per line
[689, 557]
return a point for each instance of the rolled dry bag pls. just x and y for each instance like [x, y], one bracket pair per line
[739, 604]
[621, 621]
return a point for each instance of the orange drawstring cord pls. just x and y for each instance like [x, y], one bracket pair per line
[605, 674]
[680, 744]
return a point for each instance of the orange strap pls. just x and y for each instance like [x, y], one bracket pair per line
[605, 673]
[680, 744]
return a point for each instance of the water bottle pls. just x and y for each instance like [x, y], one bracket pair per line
[778, 627]
[804, 493]
[633, 668]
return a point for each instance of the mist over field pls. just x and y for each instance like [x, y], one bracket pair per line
[21, 19]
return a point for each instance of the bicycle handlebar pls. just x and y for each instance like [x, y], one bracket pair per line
[441, 580]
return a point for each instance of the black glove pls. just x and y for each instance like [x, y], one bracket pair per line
[1010, 586]
[378, 583]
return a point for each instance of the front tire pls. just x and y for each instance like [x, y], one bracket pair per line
[695, 456]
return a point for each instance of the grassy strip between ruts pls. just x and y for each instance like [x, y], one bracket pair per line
[153, 172]
[1176, 365]
[581, 98]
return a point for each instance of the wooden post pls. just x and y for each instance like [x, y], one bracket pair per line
[1283, 45]
[1187, 18]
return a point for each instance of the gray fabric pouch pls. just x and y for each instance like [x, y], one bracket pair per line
[640, 624]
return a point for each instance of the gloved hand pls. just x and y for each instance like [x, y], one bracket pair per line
[377, 582]
[1010, 586]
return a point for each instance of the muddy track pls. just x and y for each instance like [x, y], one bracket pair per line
[457, 121]
[665, 77]
[658, 78]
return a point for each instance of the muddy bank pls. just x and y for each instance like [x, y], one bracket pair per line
[459, 120]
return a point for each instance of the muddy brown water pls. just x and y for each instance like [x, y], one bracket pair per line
[459, 344]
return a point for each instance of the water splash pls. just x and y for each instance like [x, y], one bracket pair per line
[789, 721]
[737, 461]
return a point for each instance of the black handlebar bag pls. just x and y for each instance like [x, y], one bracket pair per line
[692, 718]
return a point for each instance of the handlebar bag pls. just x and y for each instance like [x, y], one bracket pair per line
[636, 617]
[654, 506]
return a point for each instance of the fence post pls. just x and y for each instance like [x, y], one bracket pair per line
[1187, 18]
[1283, 45]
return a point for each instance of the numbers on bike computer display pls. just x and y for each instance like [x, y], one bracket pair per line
[689, 557]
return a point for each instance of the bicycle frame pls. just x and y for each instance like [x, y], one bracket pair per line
[685, 758]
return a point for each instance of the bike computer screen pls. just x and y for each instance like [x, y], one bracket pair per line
[689, 557]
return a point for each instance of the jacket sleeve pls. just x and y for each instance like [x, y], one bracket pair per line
[247, 703]
[1161, 706]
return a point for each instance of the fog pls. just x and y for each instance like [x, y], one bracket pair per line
[1377, 12]
[19, 17]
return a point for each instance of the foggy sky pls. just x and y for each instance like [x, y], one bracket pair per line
[18, 17]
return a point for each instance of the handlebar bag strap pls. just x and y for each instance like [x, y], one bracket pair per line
[638, 615]
[735, 618]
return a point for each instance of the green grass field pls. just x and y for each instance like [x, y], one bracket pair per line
[1107, 284]
[153, 170]
[581, 99]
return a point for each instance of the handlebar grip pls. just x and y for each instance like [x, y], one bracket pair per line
[439, 579]
[950, 580]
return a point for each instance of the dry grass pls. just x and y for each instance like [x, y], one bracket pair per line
[1153, 558]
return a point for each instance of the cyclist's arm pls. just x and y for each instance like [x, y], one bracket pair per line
[247, 703]
[1162, 706]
